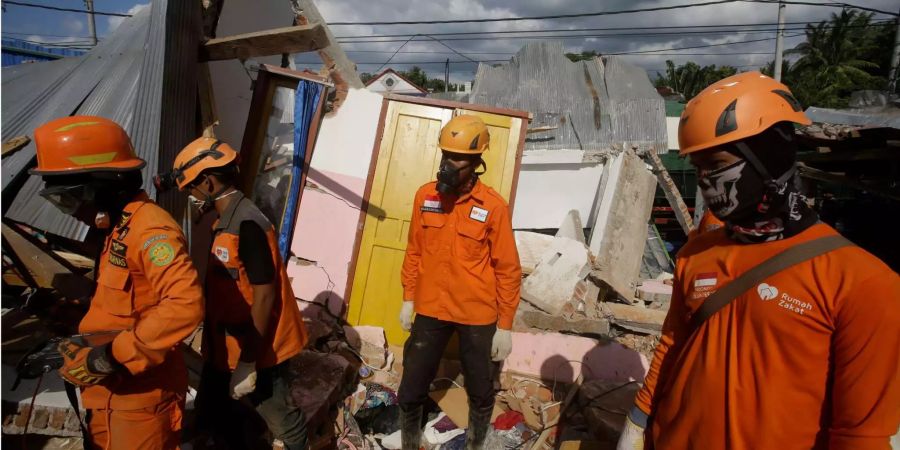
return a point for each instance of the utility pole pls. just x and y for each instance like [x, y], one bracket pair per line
[447, 75]
[89, 4]
[779, 42]
[895, 60]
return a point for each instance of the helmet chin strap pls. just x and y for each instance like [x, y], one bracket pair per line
[773, 186]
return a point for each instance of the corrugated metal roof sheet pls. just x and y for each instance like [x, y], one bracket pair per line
[16, 51]
[594, 105]
[125, 78]
[887, 116]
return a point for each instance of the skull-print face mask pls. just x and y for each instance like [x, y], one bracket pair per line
[733, 192]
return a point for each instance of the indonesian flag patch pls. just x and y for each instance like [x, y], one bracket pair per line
[432, 203]
[706, 280]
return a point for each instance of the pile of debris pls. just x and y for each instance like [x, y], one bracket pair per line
[565, 291]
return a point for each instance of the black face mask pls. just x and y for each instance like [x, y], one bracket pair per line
[735, 192]
[448, 181]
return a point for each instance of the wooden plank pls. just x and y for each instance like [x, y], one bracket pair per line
[208, 115]
[298, 39]
[43, 268]
[671, 190]
[340, 68]
[15, 144]
[821, 175]
[297, 75]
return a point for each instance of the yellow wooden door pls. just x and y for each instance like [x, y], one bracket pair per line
[408, 158]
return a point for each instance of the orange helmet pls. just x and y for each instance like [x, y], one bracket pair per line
[201, 154]
[465, 134]
[82, 144]
[736, 108]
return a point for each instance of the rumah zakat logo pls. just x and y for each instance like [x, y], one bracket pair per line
[766, 292]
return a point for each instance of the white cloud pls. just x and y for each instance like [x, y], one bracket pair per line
[114, 21]
[74, 25]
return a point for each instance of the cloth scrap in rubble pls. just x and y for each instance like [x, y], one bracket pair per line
[378, 395]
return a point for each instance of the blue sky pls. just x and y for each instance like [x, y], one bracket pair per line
[54, 26]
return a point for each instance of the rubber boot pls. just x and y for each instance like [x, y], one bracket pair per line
[479, 420]
[411, 427]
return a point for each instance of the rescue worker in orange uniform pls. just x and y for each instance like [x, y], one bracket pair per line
[148, 291]
[253, 325]
[810, 357]
[461, 274]
[709, 222]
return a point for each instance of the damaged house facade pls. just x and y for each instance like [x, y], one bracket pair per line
[568, 150]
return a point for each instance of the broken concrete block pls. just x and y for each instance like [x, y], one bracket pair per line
[580, 325]
[552, 284]
[572, 227]
[655, 291]
[319, 380]
[531, 247]
[634, 318]
[370, 342]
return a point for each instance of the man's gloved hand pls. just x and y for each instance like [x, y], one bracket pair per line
[406, 315]
[243, 379]
[632, 437]
[502, 345]
[85, 366]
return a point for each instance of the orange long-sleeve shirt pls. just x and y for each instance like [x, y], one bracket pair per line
[461, 261]
[809, 359]
[148, 287]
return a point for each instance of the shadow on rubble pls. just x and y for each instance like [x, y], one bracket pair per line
[596, 413]
[321, 376]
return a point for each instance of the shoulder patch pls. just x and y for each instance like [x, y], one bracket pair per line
[161, 254]
[153, 239]
[222, 254]
[122, 233]
[117, 260]
[118, 248]
[124, 219]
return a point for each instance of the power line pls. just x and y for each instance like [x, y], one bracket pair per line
[55, 8]
[513, 53]
[885, 22]
[557, 16]
[702, 46]
[830, 4]
[608, 13]
[43, 35]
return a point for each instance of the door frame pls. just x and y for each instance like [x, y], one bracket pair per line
[376, 151]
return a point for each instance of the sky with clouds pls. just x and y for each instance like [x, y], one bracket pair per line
[52, 26]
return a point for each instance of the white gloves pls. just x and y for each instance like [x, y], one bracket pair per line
[243, 379]
[406, 315]
[502, 345]
[632, 437]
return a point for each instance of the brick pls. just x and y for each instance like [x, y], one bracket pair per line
[39, 419]
[58, 419]
[72, 422]
[23, 416]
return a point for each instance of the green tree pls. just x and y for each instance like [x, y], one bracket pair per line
[690, 78]
[365, 77]
[583, 56]
[417, 76]
[836, 60]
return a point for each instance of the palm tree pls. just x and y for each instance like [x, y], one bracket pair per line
[829, 61]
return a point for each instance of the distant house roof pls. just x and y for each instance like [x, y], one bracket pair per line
[16, 51]
[392, 81]
[143, 76]
[599, 104]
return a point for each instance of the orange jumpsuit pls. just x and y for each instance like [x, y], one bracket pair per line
[809, 359]
[462, 266]
[231, 296]
[147, 286]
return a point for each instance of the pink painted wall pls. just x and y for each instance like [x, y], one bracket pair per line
[550, 355]
[324, 234]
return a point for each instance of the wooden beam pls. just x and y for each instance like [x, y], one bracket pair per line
[298, 39]
[15, 144]
[341, 69]
[668, 186]
[208, 116]
[873, 154]
[45, 271]
[821, 175]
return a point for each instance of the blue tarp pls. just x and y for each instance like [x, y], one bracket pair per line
[16, 51]
[305, 104]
